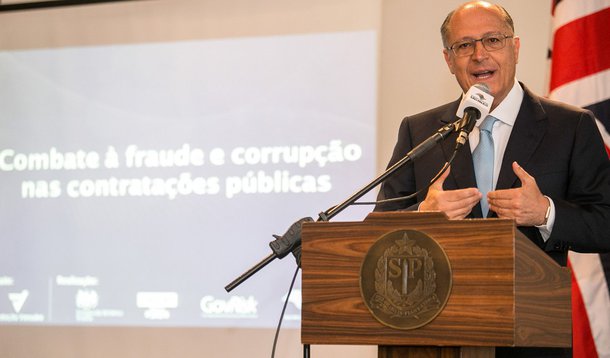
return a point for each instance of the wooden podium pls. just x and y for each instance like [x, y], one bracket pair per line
[505, 290]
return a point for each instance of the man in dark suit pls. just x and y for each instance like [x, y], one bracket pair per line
[549, 172]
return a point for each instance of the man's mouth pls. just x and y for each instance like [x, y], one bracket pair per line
[483, 74]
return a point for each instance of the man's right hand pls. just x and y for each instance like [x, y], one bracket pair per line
[456, 204]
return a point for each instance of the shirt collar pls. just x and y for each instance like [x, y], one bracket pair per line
[508, 109]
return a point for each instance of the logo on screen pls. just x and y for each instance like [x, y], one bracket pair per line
[18, 299]
[157, 304]
[234, 307]
[293, 311]
[6, 281]
[87, 299]
[295, 298]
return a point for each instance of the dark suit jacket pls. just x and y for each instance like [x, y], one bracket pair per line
[559, 145]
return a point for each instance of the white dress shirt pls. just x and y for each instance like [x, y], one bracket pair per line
[506, 113]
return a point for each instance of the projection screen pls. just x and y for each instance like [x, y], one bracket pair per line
[138, 179]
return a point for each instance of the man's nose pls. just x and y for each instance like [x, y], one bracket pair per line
[479, 50]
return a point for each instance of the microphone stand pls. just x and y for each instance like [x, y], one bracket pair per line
[290, 242]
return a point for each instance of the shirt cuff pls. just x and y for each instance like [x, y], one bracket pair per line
[547, 228]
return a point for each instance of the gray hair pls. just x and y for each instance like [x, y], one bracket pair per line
[508, 20]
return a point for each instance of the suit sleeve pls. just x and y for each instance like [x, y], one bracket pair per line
[582, 221]
[402, 182]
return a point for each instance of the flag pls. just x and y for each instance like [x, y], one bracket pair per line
[580, 75]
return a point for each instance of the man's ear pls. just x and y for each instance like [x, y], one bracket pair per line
[448, 61]
[517, 46]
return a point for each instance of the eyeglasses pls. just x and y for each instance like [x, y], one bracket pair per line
[491, 42]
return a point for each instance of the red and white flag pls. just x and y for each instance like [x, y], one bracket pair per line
[580, 75]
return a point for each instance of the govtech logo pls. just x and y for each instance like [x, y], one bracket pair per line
[233, 307]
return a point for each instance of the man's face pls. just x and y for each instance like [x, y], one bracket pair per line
[494, 68]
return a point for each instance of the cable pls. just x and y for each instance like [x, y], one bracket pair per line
[411, 196]
[438, 175]
[279, 324]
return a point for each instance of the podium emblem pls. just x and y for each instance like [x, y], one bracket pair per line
[405, 279]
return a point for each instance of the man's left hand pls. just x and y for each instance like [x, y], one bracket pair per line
[526, 205]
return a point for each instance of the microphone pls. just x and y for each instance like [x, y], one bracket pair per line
[475, 104]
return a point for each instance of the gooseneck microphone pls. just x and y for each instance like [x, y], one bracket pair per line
[475, 104]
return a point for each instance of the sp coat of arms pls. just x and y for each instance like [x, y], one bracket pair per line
[405, 279]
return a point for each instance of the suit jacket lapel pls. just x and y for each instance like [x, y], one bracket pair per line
[528, 131]
[462, 169]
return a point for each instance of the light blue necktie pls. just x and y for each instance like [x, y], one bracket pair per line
[483, 158]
